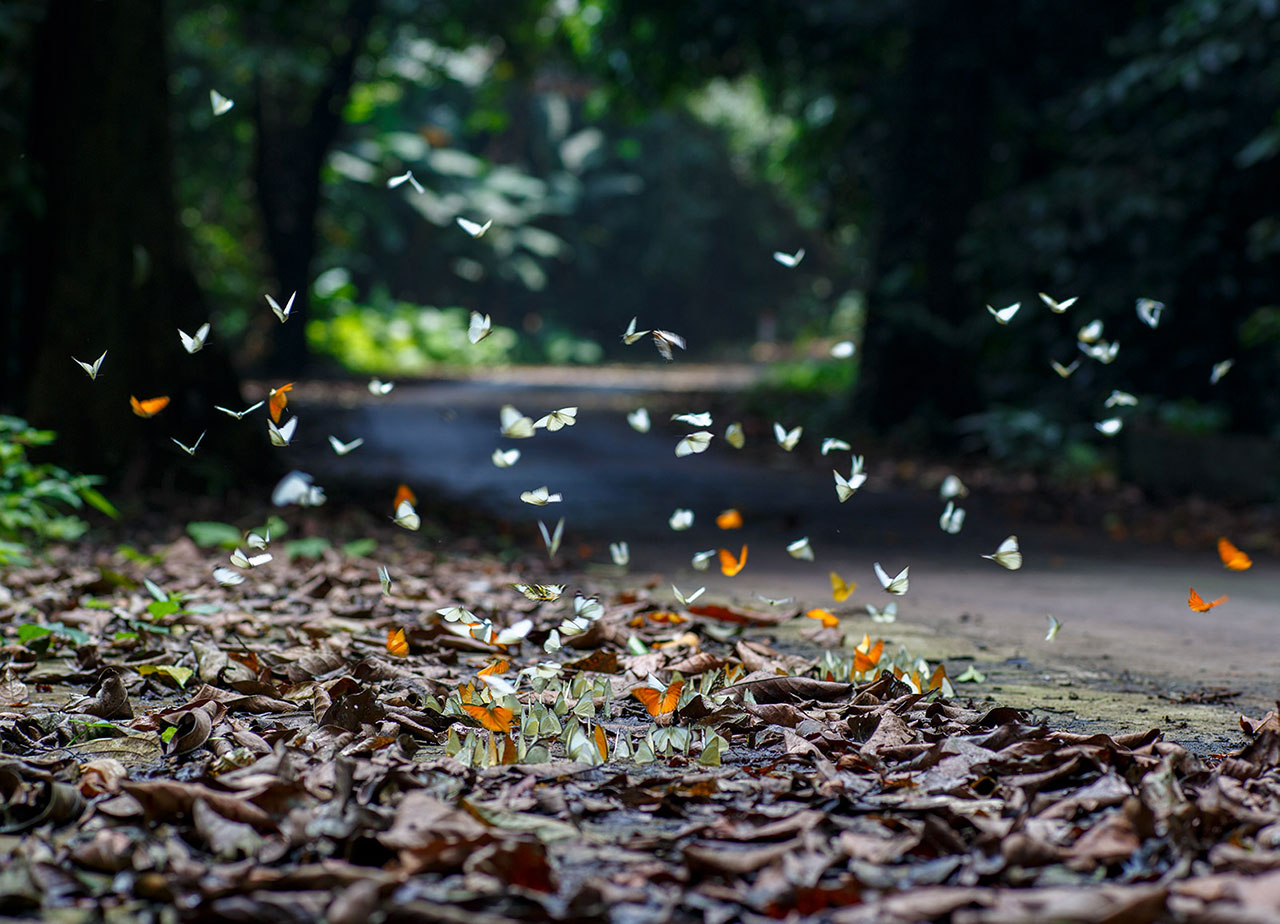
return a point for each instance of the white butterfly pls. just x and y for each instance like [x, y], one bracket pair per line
[951, 487]
[473, 228]
[1149, 310]
[219, 103]
[282, 436]
[1007, 554]
[1054, 626]
[774, 601]
[789, 260]
[702, 560]
[620, 552]
[458, 614]
[664, 340]
[544, 593]
[91, 368]
[481, 326]
[384, 578]
[515, 425]
[700, 419]
[342, 448]
[631, 335]
[540, 497]
[1065, 371]
[843, 349]
[238, 415]
[735, 436]
[297, 488]
[240, 560]
[831, 444]
[1057, 307]
[557, 420]
[505, 458]
[1090, 333]
[194, 344]
[227, 578]
[1004, 315]
[551, 539]
[406, 516]
[787, 439]
[553, 643]
[1119, 398]
[695, 442]
[952, 519]
[687, 601]
[886, 615]
[406, 177]
[514, 633]
[1219, 370]
[898, 585]
[587, 607]
[377, 387]
[681, 519]
[800, 549]
[282, 313]
[499, 685]
[254, 541]
[190, 450]
[1102, 351]
[1109, 427]
[845, 487]
[639, 420]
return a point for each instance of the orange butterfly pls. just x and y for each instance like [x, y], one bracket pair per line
[396, 643]
[1232, 557]
[729, 519]
[403, 493]
[602, 743]
[497, 667]
[148, 407]
[277, 402]
[659, 703]
[864, 661]
[730, 565]
[494, 718]
[826, 617]
[1196, 602]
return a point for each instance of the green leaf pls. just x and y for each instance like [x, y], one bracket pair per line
[311, 547]
[207, 533]
[30, 631]
[162, 608]
[129, 553]
[155, 590]
[179, 675]
[167, 735]
[95, 500]
[360, 548]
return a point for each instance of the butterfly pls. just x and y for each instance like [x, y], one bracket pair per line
[631, 335]
[278, 400]
[406, 516]
[951, 487]
[240, 560]
[514, 633]
[458, 614]
[404, 493]
[406, 177]
[840, 588]
[281, 313]
[587, 607]
[831, 444]
[730, 566]
[378, 388]
[639, 420]
[1149, 310]
[473, 228]
[774, 601]
[282, 436]
[952, 519]
[866, 656]
[91, 369]
[1119, 398]
[540, 497]
[1233, 558]
[620, 552]
[1065, 371]
[190, 450]
[694, 443]
[254, 541]
[497, 684]
[660, 702]
[219, 103]
[396, 643]
[800, 549]
[687, 601]
[1197, 603]
[702, 560]
[729, 519]
[1109, 427]
[227, 578]
[342, 448]
[238, 415]
[1219, 370]
[886, 615]
[194, 344]
[1054, 626]
[1057, 307]
[1090, 333]
[826, 617]
[481, 326]
[297, 488]
[1102, 351]
[1007, 554]
[515, 425]
[787, 439]
[505, 458]
[845, 487]
[701, 419]
[148, 407]
[384, 578]
[1004, 315]
[735, 436]
[664, 340]
[789, 260]
[557, 420]
[898, 585]
[680, 519]
[543, 593]
[494, 718]
[551, 539]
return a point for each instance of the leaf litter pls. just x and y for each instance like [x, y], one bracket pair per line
[174, 749]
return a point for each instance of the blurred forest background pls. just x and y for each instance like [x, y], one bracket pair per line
[931, 156]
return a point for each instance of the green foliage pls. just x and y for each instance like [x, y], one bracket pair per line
[808, 392]
[33, 495]
[310, 547]
[208, 533]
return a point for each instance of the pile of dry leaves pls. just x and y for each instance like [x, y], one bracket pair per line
[182, 751]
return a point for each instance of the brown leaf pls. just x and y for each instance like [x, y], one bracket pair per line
[170, 800]
[792, 690]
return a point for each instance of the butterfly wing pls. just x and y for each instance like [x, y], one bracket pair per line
[1232, 557]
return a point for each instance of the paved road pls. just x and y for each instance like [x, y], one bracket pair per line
[1123, 605]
